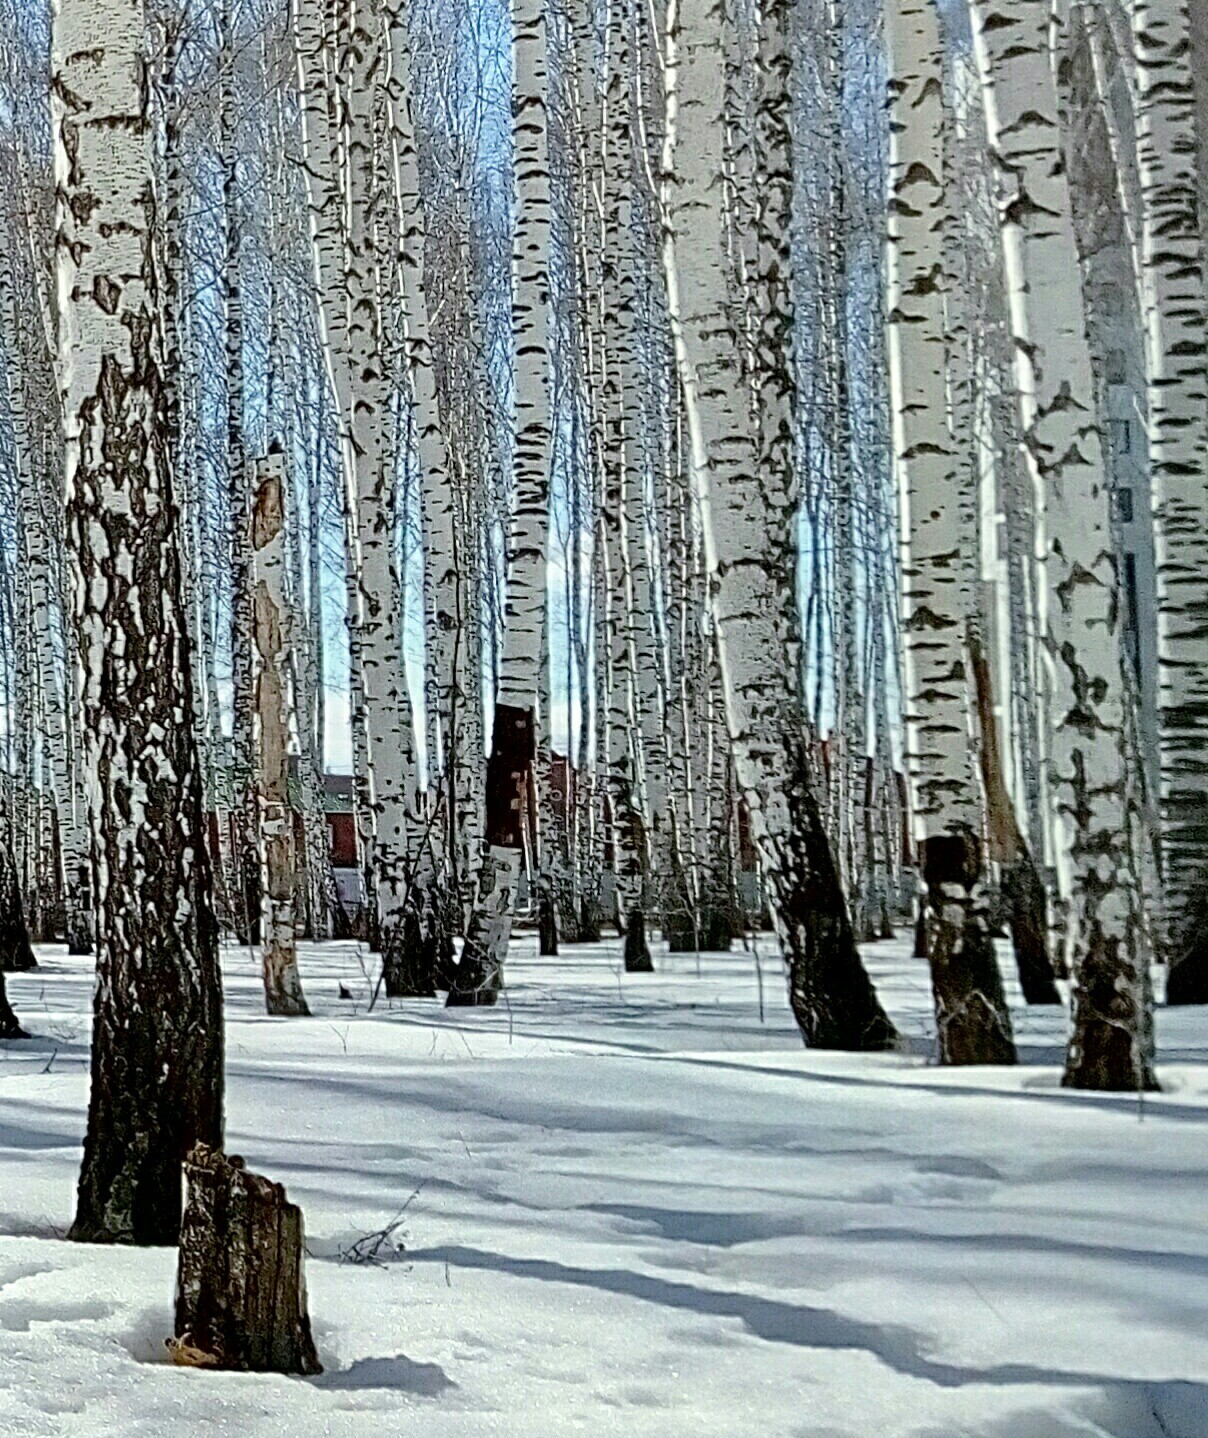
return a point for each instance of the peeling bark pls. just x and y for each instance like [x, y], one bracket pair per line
[271, 638]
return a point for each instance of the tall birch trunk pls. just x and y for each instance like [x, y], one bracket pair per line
[747, 512]
[157, 1033]
[247, 868]
[479, 976]
[448, 651]
[1112, 1042]
[342, 58]
[1175, 309]
[939, 570]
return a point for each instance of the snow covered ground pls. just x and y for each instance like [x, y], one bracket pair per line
[639, 1207]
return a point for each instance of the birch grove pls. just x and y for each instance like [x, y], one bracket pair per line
[644, 480]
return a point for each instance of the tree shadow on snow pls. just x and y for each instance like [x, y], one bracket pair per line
[900, 1348]
[403, 1374]
[1127, 1410]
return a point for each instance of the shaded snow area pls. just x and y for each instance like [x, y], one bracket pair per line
[637, 1207]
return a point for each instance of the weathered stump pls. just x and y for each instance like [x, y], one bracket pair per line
[240, 1289]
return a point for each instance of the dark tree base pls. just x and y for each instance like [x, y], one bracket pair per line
[9, 1027]
[921, 938]
[679, 932]
[477, 981]
[637, 950]
[840, 1027]
[1187, 980]
[240, 1291]
[547, 923]
[472, 999]
[1027, 907]
[717, 930]
[247, 920]
[16, 954]
[1106, 1065]
[973, 1021]
[1111, 1048]
[590, 928]
[411, 959]
[830, 993]
[713, 934]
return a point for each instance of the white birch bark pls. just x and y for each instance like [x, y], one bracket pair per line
[29, 372]
[938, 554]
[526, 584]
[343, 71]
[449, 668]
[624, 485]
[1105, 66]
[1175, 311]
[510, 767]
[157, 1037]
[246, 907]
[747, 517]
[1112, 1040]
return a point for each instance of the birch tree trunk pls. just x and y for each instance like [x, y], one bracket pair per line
[1175, 309]
[157, 1035]
[244, 812]
[448, 672]
[623, 487]
[1112, 1042]
[342, 57]
[271, 634]
[747, 512]
[973, 1024]
[479, 975]
[372, 505]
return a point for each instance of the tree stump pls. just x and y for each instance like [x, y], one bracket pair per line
[240, 1290]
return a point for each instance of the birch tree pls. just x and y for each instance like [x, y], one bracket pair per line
[157, 1040]
[343, 69]
[938, 566]
[246, 899]
[1112, 1042]
[1175, 308]
[747, 511]
[514, 736]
